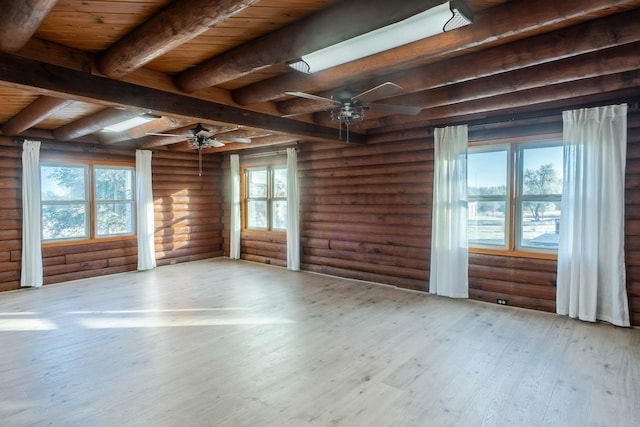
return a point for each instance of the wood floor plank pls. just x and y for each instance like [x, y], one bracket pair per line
[233, 343]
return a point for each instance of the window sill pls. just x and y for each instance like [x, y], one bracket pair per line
[87, 241]
[515, 254]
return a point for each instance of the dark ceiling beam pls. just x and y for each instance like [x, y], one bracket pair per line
[499, 25]
[52, 80]
[616, 30]
[94, 123]
[324, 28]
[179, 22]
[33, 114]
[564, 93]
[19, 20]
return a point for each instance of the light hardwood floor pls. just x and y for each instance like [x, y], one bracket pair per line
[233, 343]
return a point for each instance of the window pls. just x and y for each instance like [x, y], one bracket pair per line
[266, 198]
[514, 195]
[82, 201]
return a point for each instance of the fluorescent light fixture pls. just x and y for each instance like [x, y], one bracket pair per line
[131, 123]
[445, 17]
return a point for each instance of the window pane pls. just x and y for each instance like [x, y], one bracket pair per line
[487, 173]
[257, 183]
[540, 224]
[114, 218]
[64, 221]
[279, 183]
[256, 214]
[486, 223]
[114, 183]
[63, 183]
[279, 220]
[542, 170]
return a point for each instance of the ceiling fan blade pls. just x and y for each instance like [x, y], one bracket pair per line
[214, 143]
[236, 139]
[164, 134]
[397, 109]
[385, 90]
[314, 97]
[325, 107]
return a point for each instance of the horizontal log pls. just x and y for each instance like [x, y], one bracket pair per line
[9, 286]
[419, 285]
[323, 152]
[532, 277]
[373, 209]
[264, 260]
[261, 236]
[377, 159]
[366, 267]
[185, 252]
[390, 180]
[84, 257]
[369, 199]
[384, 264]
[513, 263]
[85, 274]
[188, 258]
[390, 219]
[54, 270]
[305, 172]
[266, 247]
[19, 21]
[514, 300]
[351, 236]
[510, 288]
[49, 251]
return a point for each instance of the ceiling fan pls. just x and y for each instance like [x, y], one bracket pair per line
[200, 137]
[350, 106]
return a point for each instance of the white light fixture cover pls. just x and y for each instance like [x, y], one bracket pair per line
[130, 123]
[436, 20]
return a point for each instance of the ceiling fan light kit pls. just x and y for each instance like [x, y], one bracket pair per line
[445, 17]
[350, 106]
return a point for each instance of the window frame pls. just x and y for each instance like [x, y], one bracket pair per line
[91, 203]
[515, 198]
[270, 199]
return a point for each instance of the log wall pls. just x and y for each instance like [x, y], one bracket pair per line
[187, 215]
[366, 214]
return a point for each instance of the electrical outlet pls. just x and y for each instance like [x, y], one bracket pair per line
[502, 301]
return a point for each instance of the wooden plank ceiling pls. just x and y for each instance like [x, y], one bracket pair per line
[68, 68]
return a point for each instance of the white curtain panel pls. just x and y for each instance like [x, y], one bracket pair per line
[449, 247]
[591, 263]
[234, 237]
[293, 211]
[144, 206]
[31, 271]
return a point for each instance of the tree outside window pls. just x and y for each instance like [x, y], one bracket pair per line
[69, 207]
[527, 201]
[266, 198]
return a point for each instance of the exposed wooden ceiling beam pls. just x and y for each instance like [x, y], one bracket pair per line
[33, 114]
[93, 123]
[52, 80]
[19, 20]
[610, 61]
[179, 22]
[324, 28]
[592, 36]
[512, 21]
[530, 97]
[161, 124]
